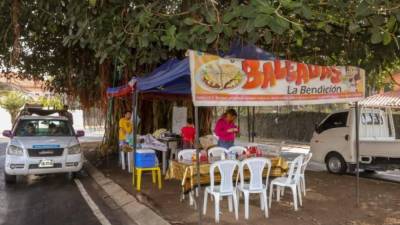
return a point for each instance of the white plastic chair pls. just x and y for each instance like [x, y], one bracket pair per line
[292, 181]
[236, 150]
[186, 154]
[217, 152]
[226, 188]
[302, 172]
[255, 185]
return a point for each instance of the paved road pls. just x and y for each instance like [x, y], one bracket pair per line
[51, 200]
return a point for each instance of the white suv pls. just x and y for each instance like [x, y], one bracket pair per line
[42, 145]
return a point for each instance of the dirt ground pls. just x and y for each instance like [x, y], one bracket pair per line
[330, 200]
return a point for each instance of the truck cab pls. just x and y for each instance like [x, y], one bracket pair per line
[333, 141]
[42, 145]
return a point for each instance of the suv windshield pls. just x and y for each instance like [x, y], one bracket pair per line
[43, 127]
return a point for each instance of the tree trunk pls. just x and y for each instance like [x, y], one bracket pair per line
[205, 120]
[13, 117]
[15, 14]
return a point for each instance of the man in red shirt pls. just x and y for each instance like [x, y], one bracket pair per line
[188, 133]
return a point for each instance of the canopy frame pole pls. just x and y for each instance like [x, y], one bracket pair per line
[357, 114]
[248, 124]
[135, 98]
[392, 128]
[238, 119]
[197, 147]
[253, 130]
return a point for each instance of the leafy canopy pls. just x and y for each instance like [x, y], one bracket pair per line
[13, 102]
[80, 43]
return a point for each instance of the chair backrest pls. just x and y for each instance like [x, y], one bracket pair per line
[186, 154]
[226, 169]
[217, 152]
[256, 167]
[307, 159]
[295, 170]
[237, 150]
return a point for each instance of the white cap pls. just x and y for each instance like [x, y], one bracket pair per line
[145, 151]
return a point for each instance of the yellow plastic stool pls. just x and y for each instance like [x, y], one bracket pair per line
[153, 170]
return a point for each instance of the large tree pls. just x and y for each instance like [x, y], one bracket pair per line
[73, 41]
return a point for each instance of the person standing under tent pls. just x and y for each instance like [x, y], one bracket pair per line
[188, 133]
[226, 129]
[125, 129]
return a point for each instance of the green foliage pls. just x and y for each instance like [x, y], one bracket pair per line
[13, 102]
[54, 102]
[76, 43]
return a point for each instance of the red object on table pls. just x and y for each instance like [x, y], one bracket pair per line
[203, 157]
[252, 149]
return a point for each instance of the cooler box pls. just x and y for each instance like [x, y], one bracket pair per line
[145, 158]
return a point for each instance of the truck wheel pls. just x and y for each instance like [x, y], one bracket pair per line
[368, 171]
[335, 163]
[10, 179]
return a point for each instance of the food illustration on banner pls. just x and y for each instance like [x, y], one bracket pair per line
[221, 76]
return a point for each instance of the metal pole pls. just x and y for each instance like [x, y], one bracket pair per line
[357, 154]
[253, 131]
[135, 97]
[238, 120]
[248, 124]
[197, 146]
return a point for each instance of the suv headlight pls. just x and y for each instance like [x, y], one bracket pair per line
[15, 150]
[76, 149]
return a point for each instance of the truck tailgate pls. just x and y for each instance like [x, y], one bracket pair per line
[380, 148]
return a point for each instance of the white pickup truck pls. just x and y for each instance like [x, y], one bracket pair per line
[333, 141]
[42, 145]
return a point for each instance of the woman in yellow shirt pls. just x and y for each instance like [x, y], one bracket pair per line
[125, 128]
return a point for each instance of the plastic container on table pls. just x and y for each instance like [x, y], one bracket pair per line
[203, 157]
[145, 158]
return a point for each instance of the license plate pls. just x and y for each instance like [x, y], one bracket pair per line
[46, 163]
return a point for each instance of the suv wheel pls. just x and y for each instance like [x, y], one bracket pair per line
[10, 179]
[335, 163]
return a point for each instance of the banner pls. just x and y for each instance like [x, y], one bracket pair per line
[179, 118]
[220, 81]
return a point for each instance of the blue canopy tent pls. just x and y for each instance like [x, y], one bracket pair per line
[249, 51]
[172, 77]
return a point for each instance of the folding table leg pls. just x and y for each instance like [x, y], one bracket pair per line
[122, 154]
[164, 162]
[128, 155]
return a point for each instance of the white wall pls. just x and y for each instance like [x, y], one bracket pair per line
[78, 119]
[5, 120]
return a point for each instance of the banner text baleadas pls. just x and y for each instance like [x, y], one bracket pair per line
[266, 74]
